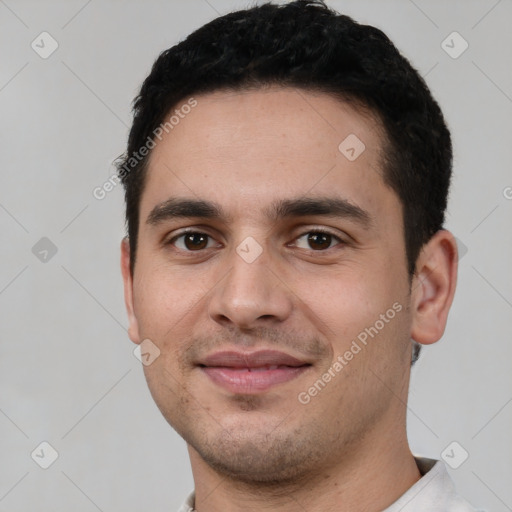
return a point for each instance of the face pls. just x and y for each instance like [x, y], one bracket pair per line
[271, 276]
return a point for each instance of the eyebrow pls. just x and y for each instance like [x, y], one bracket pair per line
[175, 208]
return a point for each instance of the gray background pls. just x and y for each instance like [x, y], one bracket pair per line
[68, 375]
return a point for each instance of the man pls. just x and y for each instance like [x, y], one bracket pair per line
[286, 179]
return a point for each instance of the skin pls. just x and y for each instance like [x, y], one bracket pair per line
[347, 448]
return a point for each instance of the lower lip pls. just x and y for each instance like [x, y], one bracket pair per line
[242, 381]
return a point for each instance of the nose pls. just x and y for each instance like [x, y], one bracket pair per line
[251, 294]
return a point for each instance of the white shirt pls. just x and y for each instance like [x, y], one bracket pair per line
[433, 492]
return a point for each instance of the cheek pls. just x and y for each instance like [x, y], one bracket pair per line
[366, 301]
[339, 297]
[160, 300]
[169, 307]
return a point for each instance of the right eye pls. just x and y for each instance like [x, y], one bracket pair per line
[191, 241]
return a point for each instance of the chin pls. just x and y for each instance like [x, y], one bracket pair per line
[255, 464]
[251, 453]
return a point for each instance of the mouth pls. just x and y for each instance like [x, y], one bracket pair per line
[252, 373]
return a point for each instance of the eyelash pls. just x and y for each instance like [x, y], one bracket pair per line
[316, 230]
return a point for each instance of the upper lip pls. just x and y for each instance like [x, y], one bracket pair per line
[235, 359]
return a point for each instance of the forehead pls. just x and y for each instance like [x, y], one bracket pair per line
[243, 149]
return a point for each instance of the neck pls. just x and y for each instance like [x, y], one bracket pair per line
[369, 479]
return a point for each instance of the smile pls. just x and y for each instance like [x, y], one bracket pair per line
[252, 373]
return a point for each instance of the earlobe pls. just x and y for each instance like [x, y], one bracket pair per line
[133, 327]
[433, 287]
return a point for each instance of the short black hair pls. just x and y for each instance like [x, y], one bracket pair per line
[305, 44]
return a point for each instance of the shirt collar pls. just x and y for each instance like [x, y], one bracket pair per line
[434, 489]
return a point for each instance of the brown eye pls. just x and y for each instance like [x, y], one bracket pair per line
[195, 241]
[192, 241]
[317, 241]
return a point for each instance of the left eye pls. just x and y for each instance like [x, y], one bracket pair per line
[317, 240]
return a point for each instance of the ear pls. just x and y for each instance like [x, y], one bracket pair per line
[133, 328]
[433, 287]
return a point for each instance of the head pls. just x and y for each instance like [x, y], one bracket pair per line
[311, 165]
